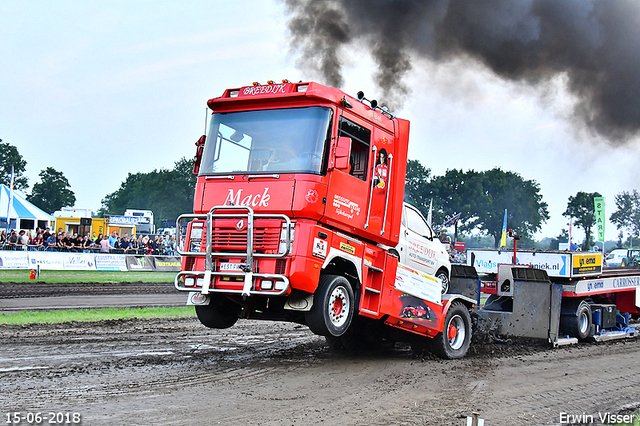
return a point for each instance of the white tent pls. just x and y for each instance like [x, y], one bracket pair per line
[22, 214]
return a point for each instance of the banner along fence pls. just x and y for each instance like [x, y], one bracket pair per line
[87, 261]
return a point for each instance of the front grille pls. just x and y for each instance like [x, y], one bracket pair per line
[266, 236]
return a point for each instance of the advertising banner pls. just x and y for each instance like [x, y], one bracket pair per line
[110, 262]
[14, 259]
[79, 261]
[418, 284]
[168, 263]
[140, 263]
[46, 260]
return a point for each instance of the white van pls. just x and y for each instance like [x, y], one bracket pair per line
[615, 257]
[419, 247]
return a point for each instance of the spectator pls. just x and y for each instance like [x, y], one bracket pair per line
[13, 240]
[37, 243]
[23, 242]
[94, 237]
[125, 246]
[134, 245]
[66, 241]
[159, 245]
[104, 245]
[113, 239]
[3, 238]
[51, 243]
[87, 244]
[171, 246]
[45, 235]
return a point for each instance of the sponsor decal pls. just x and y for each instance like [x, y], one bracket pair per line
[312, 196]
[320, 248]
[585, 263]
[345, 207]
[196, 298]
[263, 90]
[252, 200]
[348, 248]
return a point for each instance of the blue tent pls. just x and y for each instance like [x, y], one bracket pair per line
[22, 214]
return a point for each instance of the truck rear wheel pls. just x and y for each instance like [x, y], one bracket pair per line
[453, 342]
[219, 313]
[333, 305]
[578, 324]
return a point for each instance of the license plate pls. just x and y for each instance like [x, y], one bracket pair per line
[231, 267]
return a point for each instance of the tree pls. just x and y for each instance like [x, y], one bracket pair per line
[526, 212]
[168, 193]
[9, 156]
[52, 192]
[627, 214]
[481, 197]
[416, 187]
[582, 208]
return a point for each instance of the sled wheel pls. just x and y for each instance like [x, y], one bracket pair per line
[332, 309]
[579, 324]
[454, 340]
[444, 277]
[219, 313]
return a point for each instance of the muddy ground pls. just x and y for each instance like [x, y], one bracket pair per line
[176, 372]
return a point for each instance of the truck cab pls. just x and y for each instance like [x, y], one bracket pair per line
[299, 216]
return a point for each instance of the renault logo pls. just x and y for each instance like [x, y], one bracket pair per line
[240, 225]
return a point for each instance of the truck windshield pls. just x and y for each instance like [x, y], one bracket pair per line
[267, 141]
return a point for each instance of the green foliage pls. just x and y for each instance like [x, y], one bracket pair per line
[582, 209]
[9, 156]
[480, 198]
[627, 214]
[52, 192]
[416, 182]
[168, 193]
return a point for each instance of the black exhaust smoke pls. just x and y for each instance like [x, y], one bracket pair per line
[593, 45]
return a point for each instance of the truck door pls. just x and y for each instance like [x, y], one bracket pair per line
[415, 246]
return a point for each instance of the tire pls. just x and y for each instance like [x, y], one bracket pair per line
[333, 306]
[578, 324]
[453, 342]
[444, 277]
[219, 313]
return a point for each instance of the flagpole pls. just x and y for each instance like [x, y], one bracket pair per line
[10, 202]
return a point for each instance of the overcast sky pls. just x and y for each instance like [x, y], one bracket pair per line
[99, 89]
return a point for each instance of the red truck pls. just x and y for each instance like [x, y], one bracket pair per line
[299, 216]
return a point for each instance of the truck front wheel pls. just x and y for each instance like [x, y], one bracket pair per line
[219, 313]
[453, 342]
[444, 277]
[333, 305]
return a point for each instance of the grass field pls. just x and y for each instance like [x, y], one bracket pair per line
[58, 316]
[82, 315]
[22, 275]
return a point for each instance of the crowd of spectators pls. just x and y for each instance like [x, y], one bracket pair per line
[45, 240]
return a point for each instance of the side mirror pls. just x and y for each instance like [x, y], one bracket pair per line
[198, 157]
[342, 153]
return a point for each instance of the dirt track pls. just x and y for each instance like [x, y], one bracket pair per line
[176, 372]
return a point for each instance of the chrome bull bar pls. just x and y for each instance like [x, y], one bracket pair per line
[248, 274]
